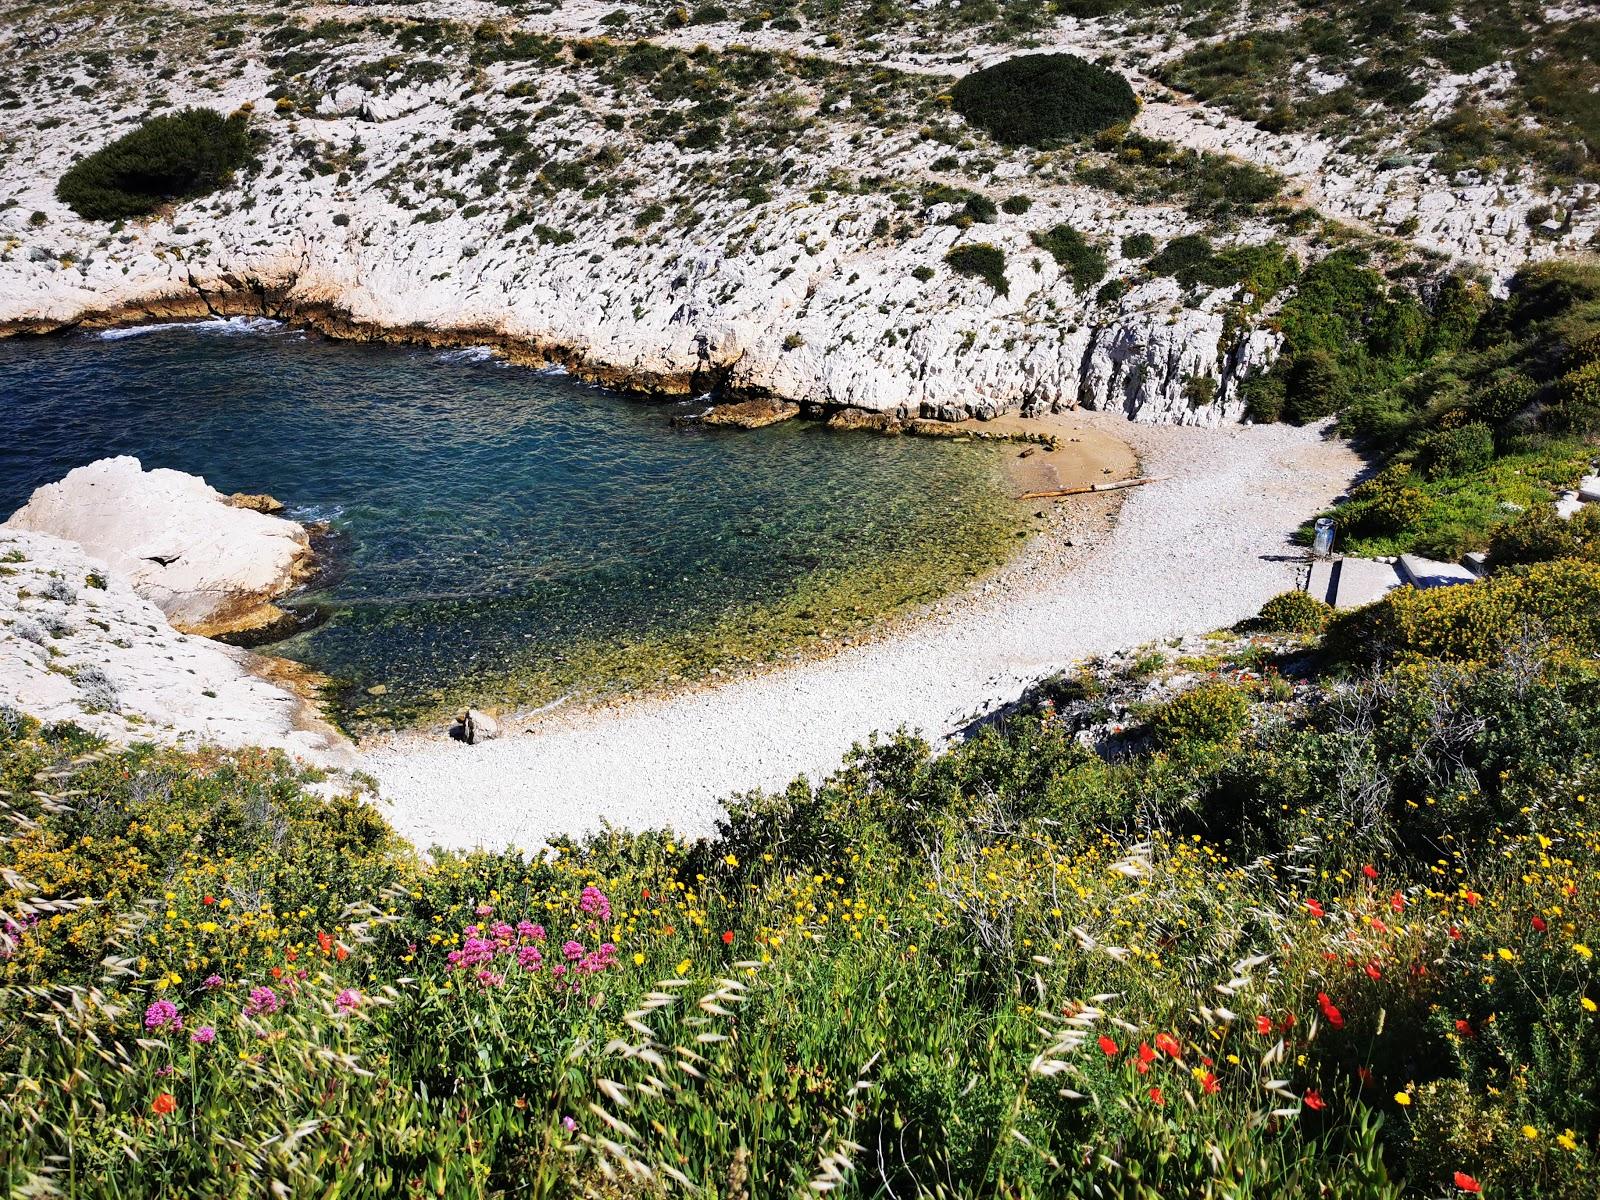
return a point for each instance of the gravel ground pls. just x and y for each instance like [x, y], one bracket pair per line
[1199, 551]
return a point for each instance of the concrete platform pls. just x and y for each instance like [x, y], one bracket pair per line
[1430, 573]
[1352, 582]
[1589, 489]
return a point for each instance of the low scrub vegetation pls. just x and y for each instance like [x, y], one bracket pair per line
[174, 157]
[1039, 99]
[1319, 922]
[982, 261]
[1480, 410]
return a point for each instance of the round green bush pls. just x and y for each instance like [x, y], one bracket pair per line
[1540, 535]
[174, 157]
[1385, 505]
[1502, 398]
[1459, 451]
[1295, 612]
[981, 261]
[1035, 99]
[1207, 715]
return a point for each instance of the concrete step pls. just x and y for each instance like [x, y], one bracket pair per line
[1359, 581]
[1589, 489]
[1430, 573]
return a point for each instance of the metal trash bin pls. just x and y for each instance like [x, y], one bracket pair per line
[1322, 538]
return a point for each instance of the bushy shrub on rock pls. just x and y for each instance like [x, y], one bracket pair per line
[981, 261]
[1039, 98]
[1295, 612]
[173, 157]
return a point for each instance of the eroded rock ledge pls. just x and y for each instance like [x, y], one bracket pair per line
[213, 567]
[78, 643]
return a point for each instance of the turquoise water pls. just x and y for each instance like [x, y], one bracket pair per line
[503, 535]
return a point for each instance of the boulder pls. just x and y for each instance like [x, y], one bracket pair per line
[476, 726]
[211, 567]
[259, 502]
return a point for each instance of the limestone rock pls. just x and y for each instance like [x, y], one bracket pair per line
[209, 566]
[259, 502]
[476, 726]
[751, 414]
[79, 644]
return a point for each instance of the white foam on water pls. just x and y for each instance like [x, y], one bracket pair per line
[230, 326]
[467, 354]
[551, 369]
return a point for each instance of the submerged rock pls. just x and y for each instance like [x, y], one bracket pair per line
[751, 414]
[213, 568]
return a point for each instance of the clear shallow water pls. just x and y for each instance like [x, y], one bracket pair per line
[503, 535]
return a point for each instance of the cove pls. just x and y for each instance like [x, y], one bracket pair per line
[502, 536]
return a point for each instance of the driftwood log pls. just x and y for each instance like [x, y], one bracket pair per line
[1085, 489]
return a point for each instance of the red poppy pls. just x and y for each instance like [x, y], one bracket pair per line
[1288, 1020]
[1263, 1025]
[325, 942]
[277, 972]
[1373, 972]
[1313, 1100]
[1208, 1083]
[1146, 1057]
[208, 899]
[1397, 902]
[1464, 1027]
[1379, 925]
[1473, 898]
[340, 953]
[1538, 925]
[1455, 934]
[1365, 1075]
[644, 893]
[1107, 1046]
[1330, 1011]
[163, 1104]
[1168, 1045]
[1315, 909]
[1155, 1094]
[727, 937]
[1370, 871]
[1467, 1183]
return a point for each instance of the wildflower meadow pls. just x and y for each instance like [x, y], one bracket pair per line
[1306, 915]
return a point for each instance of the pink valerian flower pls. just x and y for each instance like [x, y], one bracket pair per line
[483, 910]
[490, 978]
[598, 960]
[572, 951]
[212, 982]
[169, 1069]
[348, 999]
[262, 1000]
[529, 958]
[529, 932]
[595, 903]
[203, 1036]
[162, 1014]
[569, 1124]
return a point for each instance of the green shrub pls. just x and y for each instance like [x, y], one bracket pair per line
[1081, 260]
[174, 157]
[1576, 407]
[1502, 398]
[1295, 612]
[1138, 245]
[1458, 451]
[1207, 715]
[1384, 505]
[1035, 99]
[1475, 622]
[1017, 205]
[1540, 535]
[981, 261]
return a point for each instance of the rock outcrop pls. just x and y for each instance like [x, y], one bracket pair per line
[78, 643]
[212, 566]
